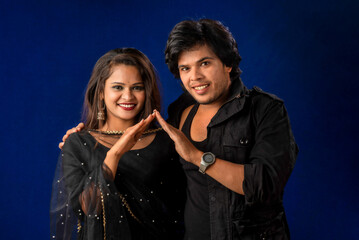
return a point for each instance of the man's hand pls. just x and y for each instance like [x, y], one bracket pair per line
[229, 174]
[72, 130]
[183, 146]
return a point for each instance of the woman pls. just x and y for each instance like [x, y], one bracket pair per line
[118, 179]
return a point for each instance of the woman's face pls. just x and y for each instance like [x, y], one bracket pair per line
[124, 94]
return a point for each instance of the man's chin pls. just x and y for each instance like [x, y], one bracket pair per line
[204, 101]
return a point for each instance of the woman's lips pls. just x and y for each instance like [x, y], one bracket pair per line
[127, 106]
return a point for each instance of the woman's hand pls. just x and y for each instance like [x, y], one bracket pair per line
[131, 136]
[78, 128]
[126, 142]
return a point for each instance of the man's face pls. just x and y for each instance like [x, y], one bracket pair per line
[204, 75]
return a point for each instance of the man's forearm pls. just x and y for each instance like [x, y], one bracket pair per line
[230, 175]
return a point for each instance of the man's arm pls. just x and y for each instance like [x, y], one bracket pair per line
[263, 177]
[229, 174]
[272, 157]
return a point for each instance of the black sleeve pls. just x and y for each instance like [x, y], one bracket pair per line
[272, 157]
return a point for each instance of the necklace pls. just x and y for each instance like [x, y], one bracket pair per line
[150, 131]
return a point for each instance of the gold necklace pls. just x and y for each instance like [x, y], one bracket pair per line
[122, 132]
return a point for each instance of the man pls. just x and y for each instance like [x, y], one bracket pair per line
[235, 145]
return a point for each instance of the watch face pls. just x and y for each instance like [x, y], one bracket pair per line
[208, 158]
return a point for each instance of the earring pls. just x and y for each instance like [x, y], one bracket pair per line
[101, 113]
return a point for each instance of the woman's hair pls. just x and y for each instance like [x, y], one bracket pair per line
[187, 34]
[103, 70]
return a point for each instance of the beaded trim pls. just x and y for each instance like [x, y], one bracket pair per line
[103, 215]
[128, 207]
[78, 225]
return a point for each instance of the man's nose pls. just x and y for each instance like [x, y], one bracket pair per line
[196, 74]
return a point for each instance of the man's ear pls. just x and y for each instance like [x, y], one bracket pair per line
[228, 69]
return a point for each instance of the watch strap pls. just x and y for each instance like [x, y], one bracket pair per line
[202, 168]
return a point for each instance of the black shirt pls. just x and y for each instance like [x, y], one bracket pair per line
[196, 213]
[148, 179]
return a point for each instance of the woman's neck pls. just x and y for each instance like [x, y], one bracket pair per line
[118, 125]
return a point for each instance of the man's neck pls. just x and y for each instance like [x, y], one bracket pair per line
[215, 106]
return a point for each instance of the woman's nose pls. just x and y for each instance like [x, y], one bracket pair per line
[127, 94]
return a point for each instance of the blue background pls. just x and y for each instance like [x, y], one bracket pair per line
[306, 52]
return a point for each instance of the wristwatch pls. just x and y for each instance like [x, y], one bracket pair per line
[207, 160]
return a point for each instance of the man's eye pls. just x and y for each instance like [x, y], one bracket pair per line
[184, 68]
[204, 63]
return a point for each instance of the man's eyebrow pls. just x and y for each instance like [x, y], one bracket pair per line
[198, 61]
[204, 58]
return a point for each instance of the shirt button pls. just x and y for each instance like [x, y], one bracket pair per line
[244, 141]
[213, 199]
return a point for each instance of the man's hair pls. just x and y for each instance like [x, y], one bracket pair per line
[187, 34]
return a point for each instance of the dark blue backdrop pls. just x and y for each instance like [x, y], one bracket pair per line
[304, 51]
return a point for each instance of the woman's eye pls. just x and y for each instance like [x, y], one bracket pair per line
[138, 88]
[184, 68]
[118, 87]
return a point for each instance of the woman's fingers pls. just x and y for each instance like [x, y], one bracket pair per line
[147, 122]
[137, 129]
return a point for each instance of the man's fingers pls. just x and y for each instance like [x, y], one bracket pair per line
[167, 127]
[80, 126]
[65, 137]
[72, 130]
[159, 117]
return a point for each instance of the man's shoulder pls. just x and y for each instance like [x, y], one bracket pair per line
[260, 95]
[262, 101]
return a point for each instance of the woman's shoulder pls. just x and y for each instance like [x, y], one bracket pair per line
[77, 139]
[78, 145]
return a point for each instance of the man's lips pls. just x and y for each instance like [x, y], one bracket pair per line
[200, 89]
